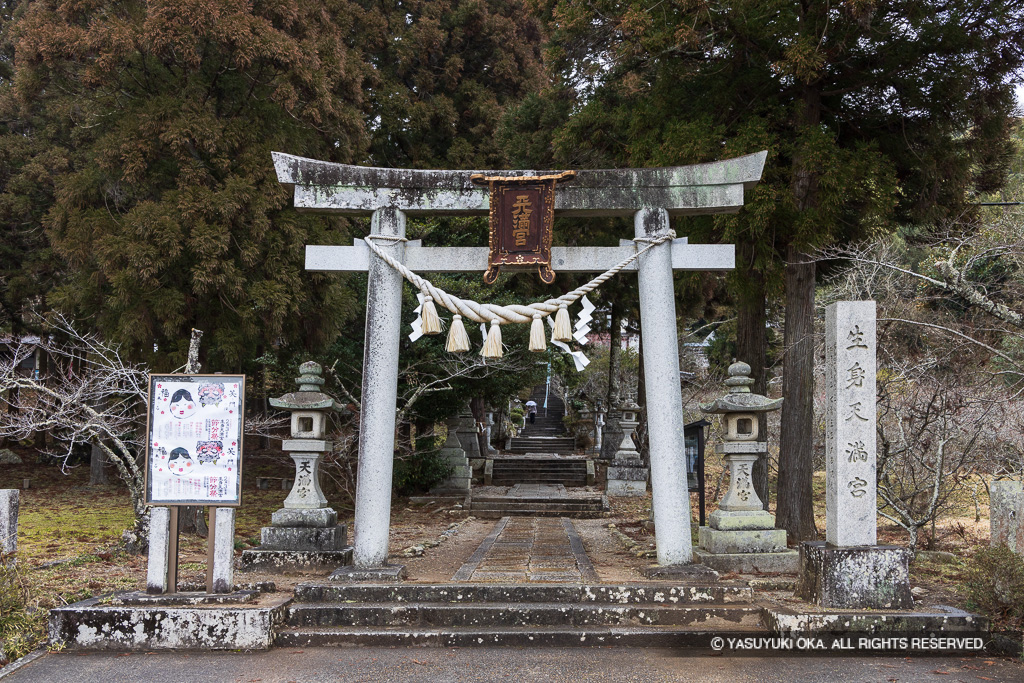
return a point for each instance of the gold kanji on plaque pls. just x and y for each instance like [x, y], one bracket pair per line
[522, 214]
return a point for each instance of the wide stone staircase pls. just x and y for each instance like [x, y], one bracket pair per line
[538, 465]
[538, 469]
[457, 615]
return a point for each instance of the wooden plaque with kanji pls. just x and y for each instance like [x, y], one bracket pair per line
[522, 215]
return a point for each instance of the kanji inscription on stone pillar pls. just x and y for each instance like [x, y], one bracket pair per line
[850, 422]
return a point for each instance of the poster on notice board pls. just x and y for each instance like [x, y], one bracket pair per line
[194, 440]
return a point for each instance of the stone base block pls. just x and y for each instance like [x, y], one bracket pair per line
[681, 572]
[184, 599]
[784, 562]
[94, 625]
[453, 486]
[936, 621]
[618, 471]
[292, 561]
[350, 574]
[625, 488]
[739, 541]
[303, 538]
[440, 496]
[861, 577]
[734, 520]
[310, 517]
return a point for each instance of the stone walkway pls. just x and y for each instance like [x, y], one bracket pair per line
[530, 549]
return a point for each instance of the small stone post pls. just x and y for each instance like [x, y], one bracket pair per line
[849, 570]
[223, 551]
[1007, 514]
[627, 476]
[304, 533]
[9, 499]
[159, 551]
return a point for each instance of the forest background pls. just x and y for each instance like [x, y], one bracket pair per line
[138, 200]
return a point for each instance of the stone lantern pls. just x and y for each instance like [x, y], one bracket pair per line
[740, 526]
[304, 533]
[627, 475]
[586, 423]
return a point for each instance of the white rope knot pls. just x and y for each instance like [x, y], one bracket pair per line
[386, 238]
[657, 239]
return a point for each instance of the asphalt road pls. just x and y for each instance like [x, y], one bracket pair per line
[507, 665]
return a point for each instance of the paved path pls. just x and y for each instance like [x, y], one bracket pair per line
[504, 665]
[530, 549]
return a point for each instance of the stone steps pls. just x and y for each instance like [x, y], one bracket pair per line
[652, 615]
[533, 636]
[546, 480]
[538, 470]
[426, 615]
[564, 593]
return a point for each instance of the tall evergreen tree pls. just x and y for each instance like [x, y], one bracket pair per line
[154, 122]
[871, 112]
[443, 73]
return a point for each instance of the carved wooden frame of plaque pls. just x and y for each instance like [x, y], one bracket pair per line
[536, 247]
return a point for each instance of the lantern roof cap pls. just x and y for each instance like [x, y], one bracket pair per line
[309, 396]
[740, 399]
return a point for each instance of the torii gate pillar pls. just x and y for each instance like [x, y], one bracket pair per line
[650, 196]
[660, 343]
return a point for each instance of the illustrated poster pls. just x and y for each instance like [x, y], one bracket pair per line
[194, 449]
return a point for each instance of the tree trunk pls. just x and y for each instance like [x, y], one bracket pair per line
[752, 346]
[191, 520]
[611, 434]
[641, 440]
[615, 357]
[98, 467]
[43, 363]
[190, 517]
[795, 510]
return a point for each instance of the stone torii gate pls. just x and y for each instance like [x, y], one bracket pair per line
[650, 195]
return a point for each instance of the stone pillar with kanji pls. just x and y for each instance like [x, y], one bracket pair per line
[304, 534]
[849, 569]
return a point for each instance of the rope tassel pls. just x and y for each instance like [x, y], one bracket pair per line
[563, 328]
[538, 342]
[492, 347]
[431, 323]
[458, 340]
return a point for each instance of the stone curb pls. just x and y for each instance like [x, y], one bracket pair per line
[417, 549]
[631, 545]
[18, 663]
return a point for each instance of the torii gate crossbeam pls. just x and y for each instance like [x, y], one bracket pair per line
[651, 196]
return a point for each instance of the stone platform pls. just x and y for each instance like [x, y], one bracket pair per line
[529, 583]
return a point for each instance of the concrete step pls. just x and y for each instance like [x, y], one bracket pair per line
[533, 636]
[566, 593]
[513, 506]
[512, 481]
[541, 466]
[519, 614]
[529, 512]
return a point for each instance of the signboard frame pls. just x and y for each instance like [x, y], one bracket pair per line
[237, 433]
